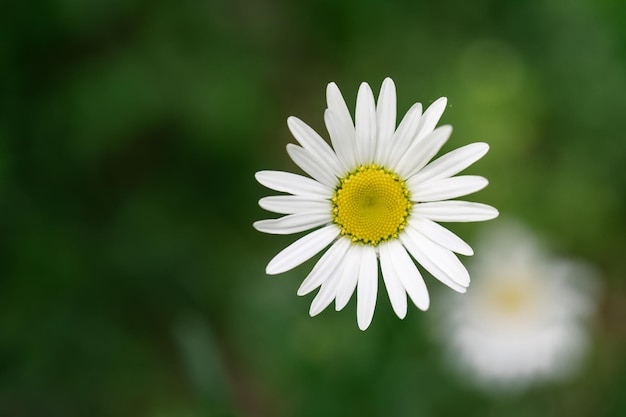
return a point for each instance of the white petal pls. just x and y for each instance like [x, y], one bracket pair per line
[326, 294]
[422, 151]
[431, 117]
[444, 260]
[456, 211]
[428, 264]
[293, 223]
[289, 204]
[386, 111]
[397, 294]
[365, 124]
[367, 287]
[349, 276]
[287, 182]
[445, 188]
[409, 276]
[343, 138]
[337, 104]
[312, 165]
[310, 140]
[328, 264]
[338, 116]
[440, 235]
[302, 250]
[453, 162]
[403, 137]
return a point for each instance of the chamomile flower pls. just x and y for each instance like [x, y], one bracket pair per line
[523, 321]
[373, 197]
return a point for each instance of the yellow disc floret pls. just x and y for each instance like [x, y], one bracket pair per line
[512, 295]
[371, 204]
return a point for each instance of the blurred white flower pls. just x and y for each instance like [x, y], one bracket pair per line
[374, 197]
[523, 320]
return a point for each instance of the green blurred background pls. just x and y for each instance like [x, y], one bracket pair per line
[131, 280]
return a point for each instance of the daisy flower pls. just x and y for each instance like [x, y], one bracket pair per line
[373, 197]
[523, 319]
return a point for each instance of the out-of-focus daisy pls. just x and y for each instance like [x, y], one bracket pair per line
[374, 196]
[523, 319]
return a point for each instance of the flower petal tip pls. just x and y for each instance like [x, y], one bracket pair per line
[302, 291]
[271, 270]
[441, 101]
[424, 306]
[331, 88]
[259, 176]
[274, 268]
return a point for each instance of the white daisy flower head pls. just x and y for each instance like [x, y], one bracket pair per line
[374, 198]
[524, 319]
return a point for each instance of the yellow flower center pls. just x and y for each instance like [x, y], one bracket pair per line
[512, 296]
[371, 204]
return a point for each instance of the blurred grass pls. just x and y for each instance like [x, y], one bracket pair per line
[132, 281]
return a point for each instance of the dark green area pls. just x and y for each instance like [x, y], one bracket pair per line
[131, 280]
